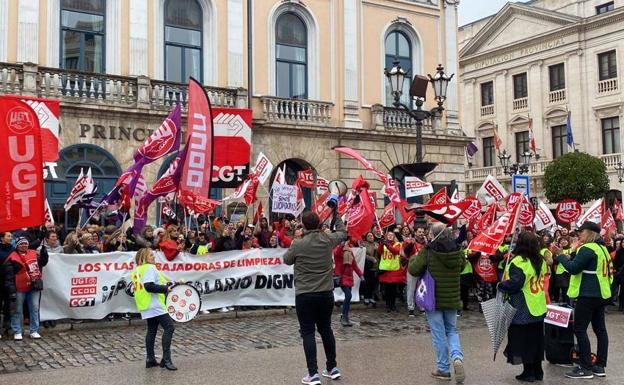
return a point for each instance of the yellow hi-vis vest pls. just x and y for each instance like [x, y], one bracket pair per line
[560, 269]
[468, 266]
[389, 261]
[533, 289]
[142, 297]
[602, 272]
[503, 249]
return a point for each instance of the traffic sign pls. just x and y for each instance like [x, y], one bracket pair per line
[520, 183]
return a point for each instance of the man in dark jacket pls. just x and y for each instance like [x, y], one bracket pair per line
[311, 256]
[590, 284]
[445, 261]
[6, 248]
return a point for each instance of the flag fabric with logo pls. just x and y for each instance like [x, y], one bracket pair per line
[491, 191]
[322, 185]
[446, 213]
[543, 217]
[258, 214]
[387, 218]
[489, 239]
[618, 210]
[607, 223]
[439, 198]
[49, 218]
[473, 210]
[263, 168]
[91, 190]
[414, 186]
[280, 175]
[320, 207]
[79, 189]
[568, 211]
[593, 214]
[361, 216]
[305, 178]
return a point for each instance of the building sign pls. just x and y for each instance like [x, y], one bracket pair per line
[529, 50]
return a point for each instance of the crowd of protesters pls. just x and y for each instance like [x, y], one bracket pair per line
[384, 274]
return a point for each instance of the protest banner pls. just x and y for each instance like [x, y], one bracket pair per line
[284, 199]
[92, 286]
[415, 187]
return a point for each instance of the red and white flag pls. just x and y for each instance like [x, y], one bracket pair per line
[361, 216]
[320, 207]
[488, 240]
[491, 191]
[305, 178]
[619, 215]
[593, 214]
[439, 198]
[258, 214]
[607, 223]
[527, 212]
[263, 168]
[532, 144]
[543, 217]
[473, 210]
[446, 213]
[49, 218]
[79, 189]
[280, 175]
[414, 187]
[455, 196]
[322, 185]
[300, 201]
[387, 218]
[497, 140]
[568, 211]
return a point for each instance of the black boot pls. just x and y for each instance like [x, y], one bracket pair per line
[527, 374]
[538, 372]
[167, 364]
[151, 362]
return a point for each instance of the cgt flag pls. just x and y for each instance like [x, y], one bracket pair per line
[21, 180]
[197, 169]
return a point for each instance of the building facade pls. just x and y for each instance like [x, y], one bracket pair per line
[118, 66]
[530, 65]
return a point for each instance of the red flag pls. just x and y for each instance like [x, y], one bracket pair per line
[391, 191]
[488, 218]
[445, 212]
[497, 140]
[258, 214]
[305, 178]
[320, 207]
[618, 211]
[49, 218]
[387, 218]
[568, 211]
[473, 210]
[252, 188]
[197, 170]
[473, 223]
[198, 204]
[607, 223]
[361, 216]
[367, 165]
[488, 240]
[439, 198]
[21, 179]
[532, 137]
[527, 212]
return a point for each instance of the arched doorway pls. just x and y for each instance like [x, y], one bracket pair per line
[215, 193]
[104, 168]
[293, 166]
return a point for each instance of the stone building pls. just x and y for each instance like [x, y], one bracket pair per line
[533, 63]
[118, 66]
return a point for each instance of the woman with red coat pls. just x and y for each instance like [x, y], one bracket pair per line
[169, 244]
[392, 271]
[344, 266]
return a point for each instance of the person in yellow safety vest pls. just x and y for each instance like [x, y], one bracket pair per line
[502, 255]
[466, 281]
[590, 284]
[561, 283]
[523, 281]
[150, 287]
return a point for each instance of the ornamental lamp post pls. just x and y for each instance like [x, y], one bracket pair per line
[620, 172]
[504, 158]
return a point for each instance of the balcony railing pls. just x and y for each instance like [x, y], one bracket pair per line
[296, 111]
[557, 96]
[608, 86]
[397, 119]
[104, 89]
[520, 104]
[487, 110]
[536, 168]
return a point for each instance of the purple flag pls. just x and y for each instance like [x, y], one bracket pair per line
[167, 184]
[163, 141]
[471, 149]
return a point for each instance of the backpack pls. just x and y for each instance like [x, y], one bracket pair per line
[424, 296]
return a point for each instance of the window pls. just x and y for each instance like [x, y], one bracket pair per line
[520, 86]
[183, 40]
[607, 65]
[291, 53]
[399, 48]
[604, 8]
[487, 94]
[488, 152]
[556, 74]
[82, 35]
[559, 140]
[610, 135]
[522, 144]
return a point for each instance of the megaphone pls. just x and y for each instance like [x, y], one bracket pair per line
[337, 188]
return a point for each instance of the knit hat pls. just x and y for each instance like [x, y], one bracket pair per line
[21, 240]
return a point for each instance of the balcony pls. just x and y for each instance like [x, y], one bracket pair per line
[520, 104]
[75, 87]
[296, 111]
[397, 119]
[558, 96]
[607, 86]
[487, 110]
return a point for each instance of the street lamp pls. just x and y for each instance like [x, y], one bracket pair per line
[516, 168]
[418, 90]
[620, 172]
[504, 158]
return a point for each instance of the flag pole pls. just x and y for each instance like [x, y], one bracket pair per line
[90, 216]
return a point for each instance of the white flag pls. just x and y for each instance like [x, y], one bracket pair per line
[491, 191]
[414, 187]
[239, 192]
[79, 189]
[455, 196]
[263, 168]
[49, 218]
[543, 217]
[594, 214]
[280, 176]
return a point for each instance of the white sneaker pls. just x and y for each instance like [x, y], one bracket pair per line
[35, 336]
[205, 311]
[17, 337]
[231, 308]
[224, 310]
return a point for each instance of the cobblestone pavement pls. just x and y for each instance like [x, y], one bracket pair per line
[103, 343]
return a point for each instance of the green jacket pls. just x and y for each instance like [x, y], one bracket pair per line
[313, 259]
[446, 262]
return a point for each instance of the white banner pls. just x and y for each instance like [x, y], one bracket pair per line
[284, 199]
[415, 187]
[92, 286]
[558, 315]
[263, 168]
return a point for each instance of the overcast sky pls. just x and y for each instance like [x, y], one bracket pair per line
[471, 10]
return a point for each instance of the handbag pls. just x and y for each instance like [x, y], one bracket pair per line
[424, 296]
[37, 284]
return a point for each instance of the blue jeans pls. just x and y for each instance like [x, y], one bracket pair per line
[346, 305]
[17, 319]
[444, 336]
